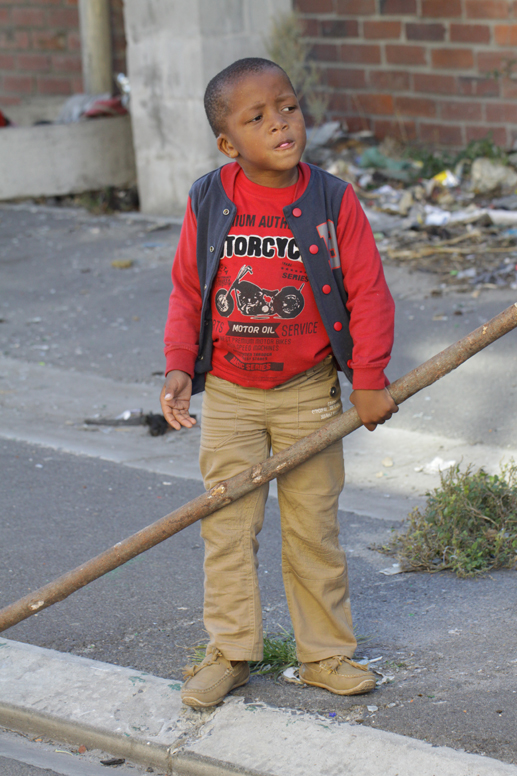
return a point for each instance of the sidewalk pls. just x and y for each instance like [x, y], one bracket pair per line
[140, 717]
[385, 470]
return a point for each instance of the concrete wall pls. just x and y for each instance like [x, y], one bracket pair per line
[66, 158]
[35, 109]
[174, 48]
[418, 69]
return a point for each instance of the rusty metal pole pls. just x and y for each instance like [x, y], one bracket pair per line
[236, 487]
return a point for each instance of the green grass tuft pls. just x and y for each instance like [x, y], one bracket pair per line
[469, 525]
[279, 653]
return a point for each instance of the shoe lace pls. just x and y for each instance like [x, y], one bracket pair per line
[332, 664]
[214, 656]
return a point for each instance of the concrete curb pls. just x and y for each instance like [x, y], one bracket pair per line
[49, 693]
[54, 694]
[140, 717]
[39, 723]
[190, 764]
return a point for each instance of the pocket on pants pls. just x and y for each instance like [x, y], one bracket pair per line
[319, 400]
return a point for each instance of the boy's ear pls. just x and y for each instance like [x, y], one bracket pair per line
[226, 147]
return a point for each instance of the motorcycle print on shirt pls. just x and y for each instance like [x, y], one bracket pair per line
[256, 302]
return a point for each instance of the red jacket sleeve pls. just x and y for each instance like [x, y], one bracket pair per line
[370, 303]
[183, 320]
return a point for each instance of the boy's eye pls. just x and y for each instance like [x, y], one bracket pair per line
[256, 118]
[289, 108]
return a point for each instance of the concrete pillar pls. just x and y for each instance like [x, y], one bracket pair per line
[94, 20]
[174, 47]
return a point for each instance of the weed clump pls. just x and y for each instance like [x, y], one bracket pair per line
[279, 654]
[469, 525]
[435, 161]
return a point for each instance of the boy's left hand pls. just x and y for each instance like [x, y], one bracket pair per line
[373, 407]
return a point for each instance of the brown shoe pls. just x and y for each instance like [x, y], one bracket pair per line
[338, 674]
[208, 683]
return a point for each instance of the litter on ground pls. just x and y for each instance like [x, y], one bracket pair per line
[395, 568]
[435, 466]
[453, 216]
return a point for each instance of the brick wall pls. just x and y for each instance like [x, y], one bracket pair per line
[417, 69]
[40, 48]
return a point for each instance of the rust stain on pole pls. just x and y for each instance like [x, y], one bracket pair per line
[232, 489]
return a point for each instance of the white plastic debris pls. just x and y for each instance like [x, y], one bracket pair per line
[77, 105]
[394, 201]
[468, 215]
[372, 709]
[437, 216]
[127, 414]
[125, 87]
[326, 133]
[385, 679]
[503, 217]
[396, 568]
[291, 675]
[437, 465]
[487, 175]
[365, 179]
[344, 170]
[447, 178]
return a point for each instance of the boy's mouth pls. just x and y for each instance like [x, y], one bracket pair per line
[284, 144]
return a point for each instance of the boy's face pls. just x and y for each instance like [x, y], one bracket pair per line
[265, 130]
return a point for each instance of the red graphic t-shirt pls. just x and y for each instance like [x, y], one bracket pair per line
[266, 325]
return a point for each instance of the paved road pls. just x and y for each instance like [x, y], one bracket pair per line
[447, 642]
[22, 755]
[17, 768]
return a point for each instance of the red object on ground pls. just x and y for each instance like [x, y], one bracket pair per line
[111, 107]
[4, 121]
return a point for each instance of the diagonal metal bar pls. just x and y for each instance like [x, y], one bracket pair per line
[236, 487]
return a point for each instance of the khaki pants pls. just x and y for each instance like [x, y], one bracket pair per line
[240, 427]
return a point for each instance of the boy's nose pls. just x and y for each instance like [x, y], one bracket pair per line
[279, 123]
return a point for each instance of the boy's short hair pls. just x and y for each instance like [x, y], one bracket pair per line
[216, 103]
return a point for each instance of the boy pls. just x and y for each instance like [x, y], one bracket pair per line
[275, 279]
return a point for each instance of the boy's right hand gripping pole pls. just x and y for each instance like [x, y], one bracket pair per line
[252, 478]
